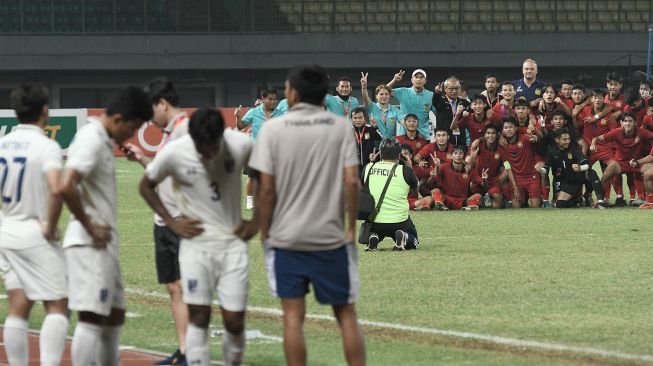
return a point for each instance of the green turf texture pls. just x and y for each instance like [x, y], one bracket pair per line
[578, 277]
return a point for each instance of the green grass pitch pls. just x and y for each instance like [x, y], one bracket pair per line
[577, 277]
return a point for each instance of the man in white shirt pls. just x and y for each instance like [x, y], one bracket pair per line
[91, 241]
[31, 263]
[205, 166]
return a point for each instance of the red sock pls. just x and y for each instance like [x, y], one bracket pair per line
[437, 195]
[474, 200]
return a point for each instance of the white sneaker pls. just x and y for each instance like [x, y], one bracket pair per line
[250, 202]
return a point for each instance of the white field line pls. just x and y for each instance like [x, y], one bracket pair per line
[512, 342]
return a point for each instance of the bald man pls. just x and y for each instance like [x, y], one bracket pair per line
[528, 86]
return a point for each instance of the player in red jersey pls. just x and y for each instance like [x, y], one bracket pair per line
[629, 141]
[646, 164]
[505, 106]
[519, 161]
[475, 121]
[484, 158]
[453, 180]
[414, 202]
[635, 104]
[412, 137]
[594, 126]
[441, 149]
[550, 103]
[647, 121]
[566, 89]
[614, 96]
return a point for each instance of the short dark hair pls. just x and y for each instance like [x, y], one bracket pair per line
[440, 129]
[632, 95]
[567, 82]
[390, 149]
[490, 76]
[343, 78]
[361, 110]
[558, 112]
[206, 127]
[508, 83]
[522, 102]
[557, 133]
[459, 147]
[132, 103]
[578, 86]
[648, 83]
[628, 114]
[463, 85]
[509, 119]
[598, 92]
[407, 148]
[311, 83]
[547, 86]
[412, 115]
[613, 76]
[267, 90]
[477, 97]
[162, 88]
[28, 101]
[490, 126]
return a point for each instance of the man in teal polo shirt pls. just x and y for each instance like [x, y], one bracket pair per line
[386, 117]
[282, 107]
[255, 117]
[415, 100]
[342, 103]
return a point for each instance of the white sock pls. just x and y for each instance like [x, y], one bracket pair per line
[53, 339]
[250, 201]
[197, 345]
[109, 353]
[86, 343]
[15, 339]
[233, 347]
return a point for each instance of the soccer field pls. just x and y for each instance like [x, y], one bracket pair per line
[574, 283]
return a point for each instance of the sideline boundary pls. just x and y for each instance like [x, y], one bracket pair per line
[512, 342]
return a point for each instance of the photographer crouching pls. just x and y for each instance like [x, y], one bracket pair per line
[392, 219]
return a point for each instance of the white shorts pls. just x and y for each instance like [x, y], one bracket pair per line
[39, 271]
[203, 271]
[94, 280]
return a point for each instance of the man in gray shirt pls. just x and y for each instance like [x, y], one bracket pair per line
[308, 173]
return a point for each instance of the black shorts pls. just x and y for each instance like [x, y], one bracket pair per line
[251, 173]
[166, 251]
[571, 188]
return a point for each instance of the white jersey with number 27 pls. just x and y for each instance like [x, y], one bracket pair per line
[26, 154]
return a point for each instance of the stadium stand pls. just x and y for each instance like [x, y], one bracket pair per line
[319, 16]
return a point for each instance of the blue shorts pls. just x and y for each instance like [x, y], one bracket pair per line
[333, 273]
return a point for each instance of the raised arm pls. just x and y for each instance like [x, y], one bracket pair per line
[366, 97]
[397, 78]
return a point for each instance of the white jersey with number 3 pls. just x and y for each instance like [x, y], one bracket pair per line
[208, 191]
[26, 154]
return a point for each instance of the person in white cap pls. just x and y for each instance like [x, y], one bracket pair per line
[416, 100]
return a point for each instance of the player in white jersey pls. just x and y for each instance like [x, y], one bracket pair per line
[91, 241]
[173, 121]
[206, 166]
[31, 262]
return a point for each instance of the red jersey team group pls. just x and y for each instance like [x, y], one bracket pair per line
[521, 143]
